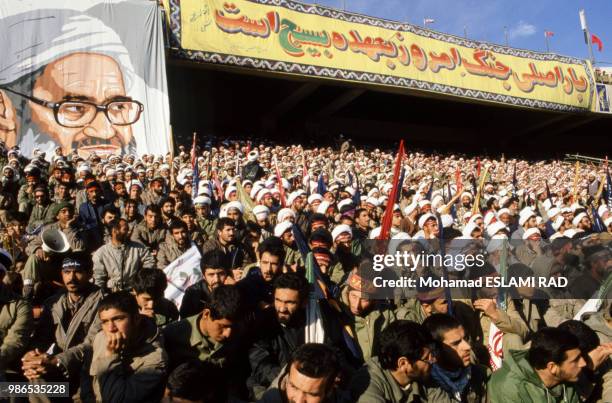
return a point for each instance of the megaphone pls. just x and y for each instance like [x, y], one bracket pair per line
[54, 241]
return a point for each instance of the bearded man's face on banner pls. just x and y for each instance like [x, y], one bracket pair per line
[82, 77]
[90, 78]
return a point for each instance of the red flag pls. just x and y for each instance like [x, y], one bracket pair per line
[194, 158]
[385, 227]
[597, 41]
[281, 189]
[458, 179]
[549, 34]
[477, 168]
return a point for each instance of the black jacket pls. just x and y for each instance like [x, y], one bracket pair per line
[273, 347]
[194, 299]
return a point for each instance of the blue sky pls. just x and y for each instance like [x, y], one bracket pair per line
[485, 21]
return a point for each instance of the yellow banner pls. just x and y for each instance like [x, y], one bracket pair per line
[305, 39]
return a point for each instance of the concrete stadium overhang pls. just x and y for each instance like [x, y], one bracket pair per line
[230, 101]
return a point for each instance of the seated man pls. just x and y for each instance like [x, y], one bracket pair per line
[281, 332]
[41, 274]
[366, 316]
[428, 301]
[65, 221]
[208, 335]
[175, 245]
[16, 321]
[69, 322]
[117, 262]
[545, 372]
[453, 376]
[257, 284]
[194, 382]
[197, 295]
[151, 231]
[128, 362]
[309, 376]
[398, 372]
[235, 253]
[148, 287]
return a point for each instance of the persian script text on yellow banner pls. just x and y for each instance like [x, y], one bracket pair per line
[333, 48]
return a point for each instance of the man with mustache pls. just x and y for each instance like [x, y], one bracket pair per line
[309, 377]
[151, 232]
[173, 248]
[116, 263]
[282, 333]
[213, 275]
[396, 374]
[257, 284]
[69, 322]
[76, 84]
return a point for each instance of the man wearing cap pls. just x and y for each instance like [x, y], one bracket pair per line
[116, 262]
[16, 322]
[69, 322]
[42, 211]
[261, 214]
[10, 182]
[428, 301]
[367, 316]
[65, 221]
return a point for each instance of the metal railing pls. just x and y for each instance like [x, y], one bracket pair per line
[584, 158]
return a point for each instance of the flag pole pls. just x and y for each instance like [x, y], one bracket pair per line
[172, 177]
[547, 44]
[587, 35]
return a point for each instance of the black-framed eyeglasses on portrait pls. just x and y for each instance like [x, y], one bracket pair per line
[75, 113]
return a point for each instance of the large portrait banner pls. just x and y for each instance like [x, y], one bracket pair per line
[85, 75]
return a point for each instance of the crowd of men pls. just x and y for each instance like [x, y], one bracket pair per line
[85, 242]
